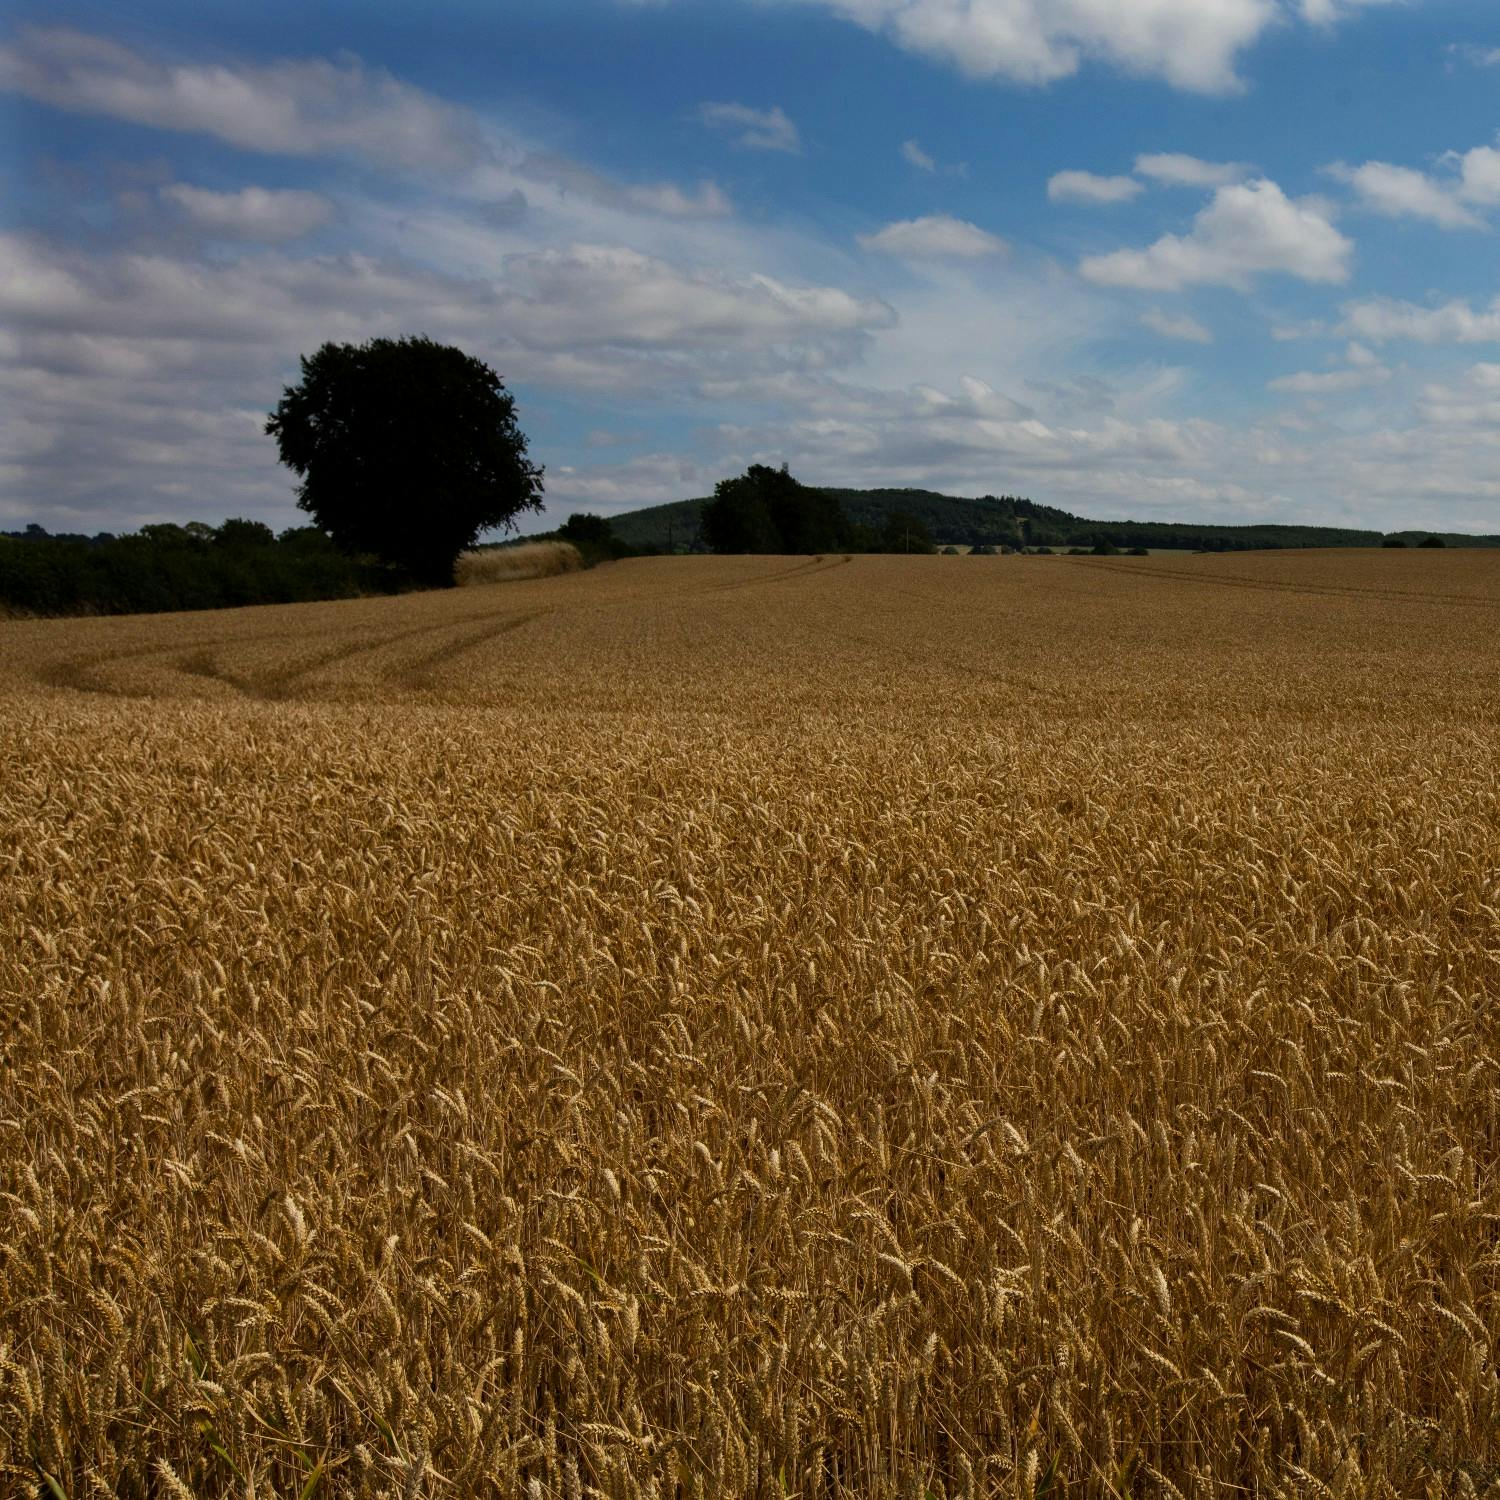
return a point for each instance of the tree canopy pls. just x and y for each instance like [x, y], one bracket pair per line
[766, 510]
[407, 449]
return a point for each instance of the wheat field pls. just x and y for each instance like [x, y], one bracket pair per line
[890, 1027]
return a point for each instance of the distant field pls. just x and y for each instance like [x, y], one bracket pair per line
[886, 1026]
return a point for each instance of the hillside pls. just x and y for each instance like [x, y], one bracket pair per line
[988, 520]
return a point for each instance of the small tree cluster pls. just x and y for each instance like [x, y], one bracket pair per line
[766, 510]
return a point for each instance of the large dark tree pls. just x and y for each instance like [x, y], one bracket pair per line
[406, 449]
[766, 510]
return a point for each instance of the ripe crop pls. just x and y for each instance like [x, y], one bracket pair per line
[890, 1027]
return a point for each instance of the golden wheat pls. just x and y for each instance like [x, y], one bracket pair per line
[776, 1027]
[511, 564]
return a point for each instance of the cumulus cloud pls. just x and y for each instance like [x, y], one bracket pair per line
[1479, 175]
[1473, 400]
[1402, 192]
[1250, 229]
[1384, 319]
[1192, 44]
[1465, 181]
[305, 107]
[758, 129]
[1175, 169]
[1362, 368]
[1176, 326]
[935, 237]
[1089, 187]
[159, 368]
[273, 215]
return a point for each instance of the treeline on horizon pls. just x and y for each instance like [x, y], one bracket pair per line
[168, 567]
[1006, 521]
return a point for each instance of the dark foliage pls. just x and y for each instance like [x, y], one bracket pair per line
[1393, 541]
[991, 520]
[765, 510]
[594, 537]
[167, 567]
[904, 532]
[1432, 541]
[407, 449]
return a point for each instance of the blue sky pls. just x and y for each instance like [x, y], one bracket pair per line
[1185, 259]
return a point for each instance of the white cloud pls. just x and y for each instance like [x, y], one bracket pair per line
[758, 129]
[1089, 187]
[918, 158]
[159, 369]
[1362, 369]
[1250, 229]
[1473, 401]
[605, 296]
[936, 237]
[649, 479]
[273, 215]
[1403, 192]
[1310, 328]
[1471, 52]
[1329, 382]
[666, 199]
[306, 107]
[1479, 175]
[1383, 319]
[1176, 326]
[1175, 169]
[913, 154]
[1192, 44]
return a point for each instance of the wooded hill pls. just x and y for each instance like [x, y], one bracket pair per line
[1003, 520]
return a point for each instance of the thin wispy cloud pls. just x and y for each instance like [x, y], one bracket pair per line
[1090, 187]
[756, 129]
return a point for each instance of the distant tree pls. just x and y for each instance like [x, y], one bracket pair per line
[904, 532]
[1140, 552]
[1393, 541]
[305, 539]
[238, 533]
[1105, 548]
[1432, 541]
[950, 552]
[167, 534]
[407, 449]
[587, 529]
[767, 510]
[594, 537]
